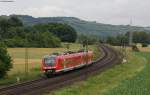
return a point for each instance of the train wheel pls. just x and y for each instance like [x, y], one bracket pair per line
[49, 73]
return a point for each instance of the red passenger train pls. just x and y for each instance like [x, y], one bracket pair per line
[65, 62]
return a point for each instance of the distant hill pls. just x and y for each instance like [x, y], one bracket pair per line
[82, 26]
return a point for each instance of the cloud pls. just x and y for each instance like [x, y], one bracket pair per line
[46, 11]
[104, 11]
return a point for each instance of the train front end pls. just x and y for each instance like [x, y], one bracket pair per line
[49, 64]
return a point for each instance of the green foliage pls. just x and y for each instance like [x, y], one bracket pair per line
[5, 60]
[138, 85]
[144, 45]
[109, 79]
[14, 34]
[14, 21]
[138, 37]
[15, 42]
[63, 31]
[135, 48]
[82, 26]
[118, 40]
[87, 39]
[3, 26]
[49, 40]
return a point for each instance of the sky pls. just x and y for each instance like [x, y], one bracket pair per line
[103, 11]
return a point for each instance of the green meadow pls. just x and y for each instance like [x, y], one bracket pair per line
[131, 78]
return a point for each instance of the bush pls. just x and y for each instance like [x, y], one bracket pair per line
[135, 48]
[5, 61]
[144, 45]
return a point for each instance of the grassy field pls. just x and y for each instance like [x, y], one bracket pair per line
[132, 78]
[146, 49]
[142, 49]
[35, 55]
[138, 85]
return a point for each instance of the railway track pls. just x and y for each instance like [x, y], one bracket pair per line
[109, 58]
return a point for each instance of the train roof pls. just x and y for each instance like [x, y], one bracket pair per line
[55, 54]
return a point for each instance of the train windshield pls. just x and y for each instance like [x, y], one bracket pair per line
[50, 61]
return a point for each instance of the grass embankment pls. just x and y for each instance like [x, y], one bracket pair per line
[35, 55]
[110, 81]
[138, 85]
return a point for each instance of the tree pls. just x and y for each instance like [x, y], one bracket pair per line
[14, 33]
[43, 39]
[118, 40]
[140, 37]
[111, 40]
[5, 61]
[3, 26]
[49, 40]
[121, 40]
[65, 32]
[14, 21]
[87, 39]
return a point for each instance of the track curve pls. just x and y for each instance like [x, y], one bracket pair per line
[109, 58]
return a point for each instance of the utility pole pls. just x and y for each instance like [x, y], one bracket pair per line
[26, 55]
[85, 46]
[130, 34]
[86, 51]
[130, 42]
